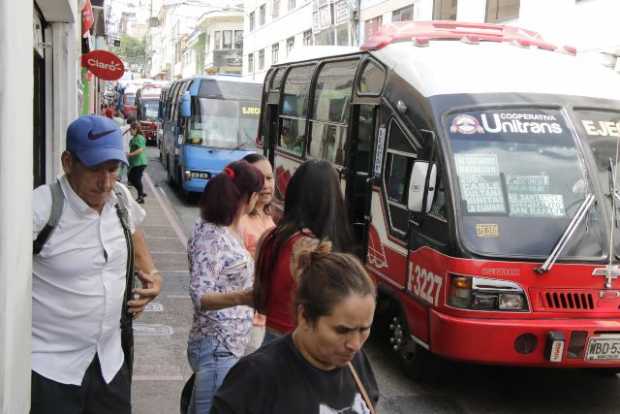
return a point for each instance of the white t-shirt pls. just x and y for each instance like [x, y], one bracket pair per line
[78, 285]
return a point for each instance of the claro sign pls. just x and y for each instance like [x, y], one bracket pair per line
[103, 64]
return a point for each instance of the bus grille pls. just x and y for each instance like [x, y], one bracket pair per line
[568, 300]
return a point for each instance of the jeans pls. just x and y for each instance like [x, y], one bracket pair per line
[211, 361]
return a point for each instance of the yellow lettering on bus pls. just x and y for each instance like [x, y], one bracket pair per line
[250, 110]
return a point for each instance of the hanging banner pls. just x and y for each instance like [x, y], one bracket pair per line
[103, 64]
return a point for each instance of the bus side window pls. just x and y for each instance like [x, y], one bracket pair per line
[372, 79]
[439, 204]
[332, 98]
[294, 110]
[398, 165]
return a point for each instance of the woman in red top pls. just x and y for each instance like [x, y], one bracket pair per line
[314, 211]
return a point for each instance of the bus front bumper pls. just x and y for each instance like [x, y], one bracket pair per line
[194, 185]
[531, 342]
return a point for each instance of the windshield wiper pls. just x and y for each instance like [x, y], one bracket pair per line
[568, 233]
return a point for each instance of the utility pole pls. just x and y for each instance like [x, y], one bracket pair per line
[355, 17]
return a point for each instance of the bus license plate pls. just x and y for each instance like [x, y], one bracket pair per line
[604, 348]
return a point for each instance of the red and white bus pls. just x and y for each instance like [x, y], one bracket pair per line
[477, 163]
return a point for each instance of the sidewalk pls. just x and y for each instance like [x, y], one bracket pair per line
[160, 367]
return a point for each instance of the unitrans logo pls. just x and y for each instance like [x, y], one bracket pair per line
[466, 124]
[507, 123]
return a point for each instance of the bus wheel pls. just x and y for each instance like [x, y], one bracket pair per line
[186, 196]
[417, 362]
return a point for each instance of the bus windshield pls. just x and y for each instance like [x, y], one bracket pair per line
[521, 179]
[219, 123]
[150, 109]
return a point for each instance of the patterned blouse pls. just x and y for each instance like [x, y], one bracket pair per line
[219, 263]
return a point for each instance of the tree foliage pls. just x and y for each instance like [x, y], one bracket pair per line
[132, 50]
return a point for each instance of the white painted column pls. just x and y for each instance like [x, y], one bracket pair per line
[65, 69]
[16, 180]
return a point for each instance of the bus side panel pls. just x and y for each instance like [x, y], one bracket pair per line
[387, 262]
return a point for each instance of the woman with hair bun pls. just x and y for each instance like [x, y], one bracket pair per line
[319, 367]
[221, 278]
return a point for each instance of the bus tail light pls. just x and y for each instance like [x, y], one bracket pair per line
[477, 293]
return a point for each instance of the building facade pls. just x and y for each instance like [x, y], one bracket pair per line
[275, 27]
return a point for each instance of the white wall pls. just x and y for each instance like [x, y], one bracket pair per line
[16, 174]
[473, 10]
[16, 83]
[591, 24]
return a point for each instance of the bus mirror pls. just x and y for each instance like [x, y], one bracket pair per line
[421, 173]
[186, 109]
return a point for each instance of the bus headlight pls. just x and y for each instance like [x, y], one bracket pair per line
[477, 293]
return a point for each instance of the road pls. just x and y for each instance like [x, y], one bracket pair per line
[161, 365]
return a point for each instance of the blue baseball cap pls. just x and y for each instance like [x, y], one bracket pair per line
[95, 139]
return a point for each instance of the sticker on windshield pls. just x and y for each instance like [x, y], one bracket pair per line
[487, 230]
[528, 184]
[480, 183]
[505, 123]
[536, 205]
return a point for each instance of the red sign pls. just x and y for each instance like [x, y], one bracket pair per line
[88, 19]
[103, 64]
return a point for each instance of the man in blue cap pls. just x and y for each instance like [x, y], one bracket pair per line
[85, 243]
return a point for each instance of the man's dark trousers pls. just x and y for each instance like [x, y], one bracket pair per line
[94, 396]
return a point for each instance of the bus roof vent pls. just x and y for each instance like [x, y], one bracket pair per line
[422, 32]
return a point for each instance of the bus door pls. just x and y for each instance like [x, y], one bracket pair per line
[359, 173]
[269, 114]
[359, 169]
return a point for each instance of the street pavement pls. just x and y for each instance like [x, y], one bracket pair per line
[161, 366]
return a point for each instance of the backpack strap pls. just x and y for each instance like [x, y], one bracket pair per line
[126, 317]
[121, 207]
[58, 201]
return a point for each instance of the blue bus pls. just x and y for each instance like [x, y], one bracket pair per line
[207, 122]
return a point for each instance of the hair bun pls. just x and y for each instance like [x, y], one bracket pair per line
[309, 251]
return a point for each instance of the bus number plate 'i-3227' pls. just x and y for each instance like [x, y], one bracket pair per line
[604, 348]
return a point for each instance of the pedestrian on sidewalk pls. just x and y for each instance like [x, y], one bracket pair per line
[137, 160]
[86, 241]
[254, 226]
[320, 367]
[221, 278]
[314, 210]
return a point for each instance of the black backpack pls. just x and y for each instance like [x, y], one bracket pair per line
[58, 200]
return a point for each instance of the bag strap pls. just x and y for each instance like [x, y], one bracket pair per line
[361, 388]
[126, 317]
[58, 201]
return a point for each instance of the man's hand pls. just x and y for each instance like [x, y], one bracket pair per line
[151, 286]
